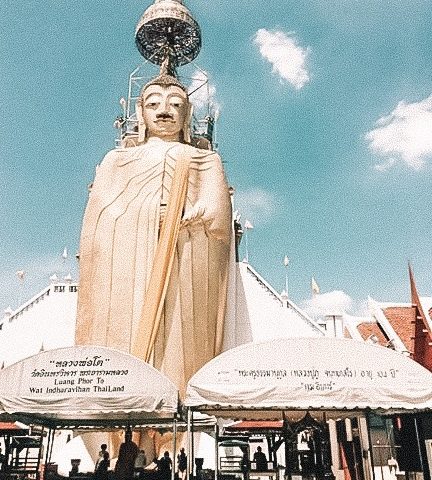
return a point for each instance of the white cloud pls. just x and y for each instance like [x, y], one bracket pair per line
[203, 93]
[255, 205]
[287, 57]
[406, 134]
[330, 303]
[385, 165]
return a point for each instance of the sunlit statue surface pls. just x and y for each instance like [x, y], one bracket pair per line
[155, 243]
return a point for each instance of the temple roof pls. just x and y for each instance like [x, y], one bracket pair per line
[372, 331]
[402, 320]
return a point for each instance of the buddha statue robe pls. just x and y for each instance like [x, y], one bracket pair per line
[118, 241]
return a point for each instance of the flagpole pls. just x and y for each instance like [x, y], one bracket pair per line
[286, 263]
[21, 277]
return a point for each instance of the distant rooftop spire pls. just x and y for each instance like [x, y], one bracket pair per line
[53, 278]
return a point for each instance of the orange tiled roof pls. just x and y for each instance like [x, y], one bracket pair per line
[402, 319]
[368, 329]
[10, 427]
[257, 425]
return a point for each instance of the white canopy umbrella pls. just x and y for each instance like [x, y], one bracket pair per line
[86, 386]
[260, 381]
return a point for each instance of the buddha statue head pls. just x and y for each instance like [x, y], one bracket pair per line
[163, 110]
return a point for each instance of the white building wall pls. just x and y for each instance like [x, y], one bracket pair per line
[48, 319]
[45, 322]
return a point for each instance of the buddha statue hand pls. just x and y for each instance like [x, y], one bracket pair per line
[193, 214]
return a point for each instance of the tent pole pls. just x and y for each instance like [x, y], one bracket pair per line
[188, 445]
[418, 443]
[173, 470]
[365, 444]
[192, 445]
[371, 451]
[47, 449]
[287, 441]
[216, 451]
[52, 444]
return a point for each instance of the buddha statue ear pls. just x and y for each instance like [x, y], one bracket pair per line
[187, 123]
[140, 118]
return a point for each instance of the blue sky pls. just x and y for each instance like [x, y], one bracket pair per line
[325, 130]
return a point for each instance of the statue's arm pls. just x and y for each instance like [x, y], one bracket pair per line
[215, 200]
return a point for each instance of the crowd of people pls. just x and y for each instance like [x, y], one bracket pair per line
[132, 463]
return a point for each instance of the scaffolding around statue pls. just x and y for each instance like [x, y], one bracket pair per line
[205, 111]
[168, 36]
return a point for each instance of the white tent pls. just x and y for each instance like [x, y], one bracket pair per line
[263, 380]
[86, 386]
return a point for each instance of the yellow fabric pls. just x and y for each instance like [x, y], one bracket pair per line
[159, 278]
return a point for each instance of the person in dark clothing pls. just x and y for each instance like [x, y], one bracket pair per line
[260, 460]
[124, 469]
[165, 466]
[182, 463]
[101, 472]
[101, 454]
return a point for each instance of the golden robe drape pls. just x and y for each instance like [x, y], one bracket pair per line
[118, 243]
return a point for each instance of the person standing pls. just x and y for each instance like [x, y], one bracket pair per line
[103, 450]
[124, 468]
[101, 472]
[260, 460]
[182, 463]
[165, 466]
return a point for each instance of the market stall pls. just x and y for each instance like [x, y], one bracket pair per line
[263, 380]
[324, 378]
[87, 388]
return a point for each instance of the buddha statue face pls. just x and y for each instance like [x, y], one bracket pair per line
[164, 112]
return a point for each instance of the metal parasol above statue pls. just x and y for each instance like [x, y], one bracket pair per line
[167, 30]
[168, 36]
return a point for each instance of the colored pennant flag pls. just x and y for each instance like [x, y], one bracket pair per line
[20, 274]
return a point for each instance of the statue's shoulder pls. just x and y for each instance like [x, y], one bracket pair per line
[200, 153]
[109, 158]
[119, 157]
[115, 154]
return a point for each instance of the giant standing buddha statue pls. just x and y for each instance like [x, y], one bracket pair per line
[156, 236]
